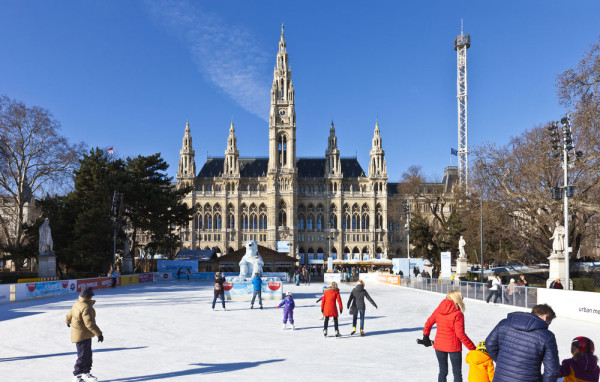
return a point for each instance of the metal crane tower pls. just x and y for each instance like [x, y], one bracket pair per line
[462, 42]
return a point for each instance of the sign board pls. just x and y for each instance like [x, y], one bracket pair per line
[401, 264]
[282, 246]
[4, 293]
[174, 265]
[330, 262]
[446, 268]
[578, 305]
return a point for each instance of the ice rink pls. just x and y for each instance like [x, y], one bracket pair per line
[167, 331]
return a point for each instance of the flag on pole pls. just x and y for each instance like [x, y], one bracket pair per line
[453, 152]
[110, 150]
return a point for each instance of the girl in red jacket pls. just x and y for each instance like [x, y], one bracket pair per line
[449, 335]
[328, 308]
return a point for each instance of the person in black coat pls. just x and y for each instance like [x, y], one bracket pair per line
[219, 291]
[357, 300]
[519, 345]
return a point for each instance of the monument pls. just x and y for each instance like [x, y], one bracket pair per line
[127, 258]
[461, 261]
[46, 256]
[558, 256]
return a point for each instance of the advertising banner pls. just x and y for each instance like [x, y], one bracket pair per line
[174, 265]
[40, 289]
[446, 269]
[96, 283]
[161, 276]
[401, 264]
[270, 290]
[389, 279]
[4, 293]
[129, 279]
[329, 277]
[282, 246]
[578, 305]
[145, 278]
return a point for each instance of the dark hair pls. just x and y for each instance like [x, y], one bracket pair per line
[543, 309]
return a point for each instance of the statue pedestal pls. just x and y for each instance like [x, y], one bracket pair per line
[557, 270]
[127, 265]
[461, 267]
[47, 264]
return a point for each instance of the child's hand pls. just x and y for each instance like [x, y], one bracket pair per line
[277, 307]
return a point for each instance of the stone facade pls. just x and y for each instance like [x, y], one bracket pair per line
[316, 207]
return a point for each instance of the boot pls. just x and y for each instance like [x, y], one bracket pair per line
[284, 327]
[325, 332]
[337, 333]
[362, 333]
[353, 330]
[293, 327]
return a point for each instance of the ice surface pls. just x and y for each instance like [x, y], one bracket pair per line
[167, 331]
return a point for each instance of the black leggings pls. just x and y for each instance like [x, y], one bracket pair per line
[326, 322]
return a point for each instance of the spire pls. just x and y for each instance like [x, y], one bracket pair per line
[282, 40]
[187, 166]
[332, 154]
[231, 164]
[377, 164]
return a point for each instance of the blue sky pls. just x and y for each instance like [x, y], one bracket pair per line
[128, 74]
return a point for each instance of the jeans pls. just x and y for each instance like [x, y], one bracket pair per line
[256, 292]
[84, 357]
[455, 359]
[492, 292]
[222, 294]
[362, 318]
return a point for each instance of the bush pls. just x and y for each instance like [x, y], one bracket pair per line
[584, 284]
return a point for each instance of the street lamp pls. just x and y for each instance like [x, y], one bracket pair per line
[562, 139]
[407, 212]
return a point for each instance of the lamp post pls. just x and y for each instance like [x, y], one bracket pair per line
[407, 212]
[562, 139]
[481, 233]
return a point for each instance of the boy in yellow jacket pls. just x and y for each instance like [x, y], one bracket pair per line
[481, 365]
[82, 320]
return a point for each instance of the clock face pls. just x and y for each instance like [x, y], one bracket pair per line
[282, 112]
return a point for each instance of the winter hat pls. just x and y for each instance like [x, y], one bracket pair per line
[87, 292]
[583, 344]
[512, 280]
[481, 346]
[289, 294]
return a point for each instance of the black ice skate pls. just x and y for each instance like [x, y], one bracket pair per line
[325, 332]
[337, 333]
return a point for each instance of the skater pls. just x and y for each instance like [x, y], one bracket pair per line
[494, 288]
[583, 367]
[357, 299]
[189, 272]
[328, 308]
[288, 310]
[321, 298]
[481, 366]
[179, 274]
[257, 285]
[82, 321]
[556, 284]
[449, 335]
[521, 342]
[113, 274]
[219, 291]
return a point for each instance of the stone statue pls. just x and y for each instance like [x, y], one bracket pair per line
[461, 248]
[45, 244]
[558, 245]
[252, 262]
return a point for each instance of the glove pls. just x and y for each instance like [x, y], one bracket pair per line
[100, 338]
[425, 341]
[317, 301]
[277, 308]
[68, 325]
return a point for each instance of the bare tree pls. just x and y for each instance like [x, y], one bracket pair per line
[33, 157]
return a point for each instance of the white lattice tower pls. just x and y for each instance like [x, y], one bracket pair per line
[462, 42]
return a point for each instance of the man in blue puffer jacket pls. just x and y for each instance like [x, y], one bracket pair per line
[519, 345]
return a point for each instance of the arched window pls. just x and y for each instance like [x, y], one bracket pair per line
[263, 221]
[231, 221]
[253, 222]
[199, 221]
[300, 222]
[333, 221]
[282, 148]
[309, 223]
[244, 221]
[217, 221]
[319, 222]
[353, 223]
[208, 221]
[347, 222]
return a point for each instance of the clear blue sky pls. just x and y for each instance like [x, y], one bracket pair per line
[129, 74]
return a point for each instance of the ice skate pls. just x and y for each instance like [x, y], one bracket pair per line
[337, 333]
[293, 327]
[362, 333]
[77, 378]
[87, 377]
[251, 306]
[325, 332]
[353, 330]
[284, 327]
[261, 306]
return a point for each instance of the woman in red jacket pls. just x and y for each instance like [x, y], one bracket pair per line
[331, 295]
[450, 333]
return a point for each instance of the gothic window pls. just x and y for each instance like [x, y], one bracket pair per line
[353, 222]
[253, 222]
[282, 215]
[208, 219]
[244, 221]
[231, 221]
[319, 222]
[199, 221]
[218, 221]
[309, 223]
[333, 221]
[263, 221]
[365, 222]
[300, 222]
[347, 222]
[282, 147]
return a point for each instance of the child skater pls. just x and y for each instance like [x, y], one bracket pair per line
[320, 298]
[583, 366]
[82, 320]
[481, 366]
[288, 310]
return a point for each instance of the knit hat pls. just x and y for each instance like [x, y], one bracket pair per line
[87, 292]
[512, 280]
[289, 294]
[481, 346]
[584, 344]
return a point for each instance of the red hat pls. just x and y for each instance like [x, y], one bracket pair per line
[584, 344]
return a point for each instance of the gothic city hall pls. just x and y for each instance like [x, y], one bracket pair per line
[309, 208]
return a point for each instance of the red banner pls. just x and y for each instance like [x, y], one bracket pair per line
[97, 283]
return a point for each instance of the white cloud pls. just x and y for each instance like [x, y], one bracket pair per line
[226, 54]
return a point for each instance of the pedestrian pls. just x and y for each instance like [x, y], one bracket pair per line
[179, 274]
[304, 275]
[114, 278]
[257, 285]
[288, 310]
[494, 288]
[189, 272]
[82, 321]
[512, 291]
[521, 290]
[297, 275]
[521, 342]
[481, 365]
[450, 335]
[583, 366]
[521, 281]
[556, 284]
[357, 300]
[328, 308]
[219, 291]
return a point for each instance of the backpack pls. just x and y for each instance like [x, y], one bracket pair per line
[489, 283]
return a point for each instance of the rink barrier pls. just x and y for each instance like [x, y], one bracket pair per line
[166, 276]
[30, 290]
[37, 279]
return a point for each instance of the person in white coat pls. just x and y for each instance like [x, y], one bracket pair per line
[494, 289]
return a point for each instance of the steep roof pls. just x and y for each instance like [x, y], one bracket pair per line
[255, 167]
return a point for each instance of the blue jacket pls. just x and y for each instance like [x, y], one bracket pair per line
[257, 282]
[287, 303]
[520, 344]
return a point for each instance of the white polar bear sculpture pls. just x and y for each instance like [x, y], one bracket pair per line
[251, 261]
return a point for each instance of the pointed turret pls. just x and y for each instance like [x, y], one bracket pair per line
[332, 164]
[231, 165]
[377, 165]
[186, 172]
